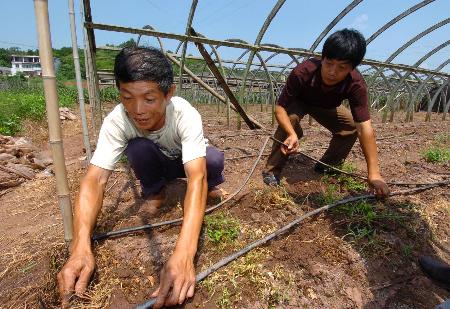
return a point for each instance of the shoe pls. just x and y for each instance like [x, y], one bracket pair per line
[319, 168]
[217, 193]
[437, 271]
[270, 179]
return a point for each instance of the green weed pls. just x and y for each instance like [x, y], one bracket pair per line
[20, 102]
[407, 250]
[222, 229]
[109, 94]
[328, 196]
[225, 299]
[436, 155]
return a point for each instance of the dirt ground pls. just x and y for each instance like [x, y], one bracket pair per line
[360, 256]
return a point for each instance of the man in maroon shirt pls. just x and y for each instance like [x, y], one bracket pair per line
[317, 87]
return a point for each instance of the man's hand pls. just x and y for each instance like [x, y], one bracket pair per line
[290, 144]
[378, 186]
[177, 281]
[75, 275]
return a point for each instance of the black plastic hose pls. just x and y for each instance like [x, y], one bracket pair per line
[285, 228]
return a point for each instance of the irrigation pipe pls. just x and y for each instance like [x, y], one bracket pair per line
[102, 236]
[348, 173]
[202, 275]
[176, 221]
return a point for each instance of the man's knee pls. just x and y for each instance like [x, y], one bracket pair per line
[295, 122]
[139, 148]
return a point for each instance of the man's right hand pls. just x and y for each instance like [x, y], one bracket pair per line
[75, 275]
[290, 144]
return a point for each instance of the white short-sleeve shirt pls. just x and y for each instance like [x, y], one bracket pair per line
[181, 135]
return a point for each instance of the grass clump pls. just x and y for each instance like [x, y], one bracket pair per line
[436, 154]
[273, 197]
[271, 286]
[328, 195]
[348, 182]
[222, 229]
[20, 100]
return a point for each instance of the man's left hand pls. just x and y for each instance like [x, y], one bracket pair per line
[378, 186]
[177, 281]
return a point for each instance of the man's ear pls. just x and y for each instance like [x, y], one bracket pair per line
[172, 89]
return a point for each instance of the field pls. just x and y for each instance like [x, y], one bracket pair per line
[360, 255]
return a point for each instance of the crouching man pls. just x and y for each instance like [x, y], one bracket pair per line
[317, 87]
[162, 137]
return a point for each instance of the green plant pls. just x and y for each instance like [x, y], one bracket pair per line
[225, 299]
[436, 155]
[407, 250]
[109, 94]
[222, 229]
[328, 195]
[21, 101]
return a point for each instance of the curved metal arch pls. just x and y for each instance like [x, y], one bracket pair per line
[276, 54]
[157, 38]
[261, 33]
[187, 32]
[396, 72]
[387, 83]
[416, 38]
[431, 52]
[421, 60]
[269, 81]
[419, 90]
[397, 19]
[330, 26]
[333, 23]
[433, 101]
[411, 41]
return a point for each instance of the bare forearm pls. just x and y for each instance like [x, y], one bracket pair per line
[87, 208]
[194, 210]
[367, 140]
[283, 120]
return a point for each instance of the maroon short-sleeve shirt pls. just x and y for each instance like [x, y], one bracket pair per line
[304, 86]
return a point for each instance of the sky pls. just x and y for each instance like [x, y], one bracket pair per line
[297, 24]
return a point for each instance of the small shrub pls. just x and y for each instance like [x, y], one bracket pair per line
[328, 196]
[109, 94]
[436, 155]
[222, 229]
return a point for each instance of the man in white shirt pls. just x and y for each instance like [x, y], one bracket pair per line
[162, 137]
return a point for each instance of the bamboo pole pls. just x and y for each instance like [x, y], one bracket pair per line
[91, 53]
[76, 61]
[54, 124]
[88, 76]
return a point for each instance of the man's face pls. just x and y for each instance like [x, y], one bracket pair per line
[334, 71]
[145, 103]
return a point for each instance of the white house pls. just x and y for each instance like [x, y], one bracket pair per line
[26, 64]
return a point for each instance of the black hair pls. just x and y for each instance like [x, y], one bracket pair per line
[143, 64]
[345, 44]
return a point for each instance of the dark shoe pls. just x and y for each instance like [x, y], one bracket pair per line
[270, 179]
[319, 168]
[437, 271]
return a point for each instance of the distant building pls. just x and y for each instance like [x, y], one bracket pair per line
[26, 64]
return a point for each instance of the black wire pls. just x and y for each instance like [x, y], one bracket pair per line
[202, 275]
[353, 174]
[177, 221]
